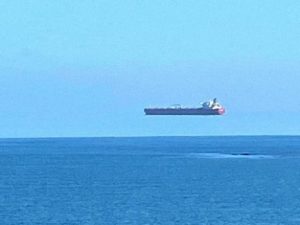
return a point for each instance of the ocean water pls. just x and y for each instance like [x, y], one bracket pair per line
[159, 180]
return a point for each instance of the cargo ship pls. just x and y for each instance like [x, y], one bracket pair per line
[208, 108]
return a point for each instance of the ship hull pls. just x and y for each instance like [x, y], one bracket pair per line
[184, 111]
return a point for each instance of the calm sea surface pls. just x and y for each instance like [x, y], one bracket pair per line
[164, 180]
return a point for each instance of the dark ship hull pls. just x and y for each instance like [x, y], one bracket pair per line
[184, 111]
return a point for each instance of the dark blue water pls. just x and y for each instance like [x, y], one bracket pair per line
[174, 180]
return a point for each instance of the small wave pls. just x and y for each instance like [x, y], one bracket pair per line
[229, 156]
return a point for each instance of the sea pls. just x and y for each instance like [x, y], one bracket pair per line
[237, 180]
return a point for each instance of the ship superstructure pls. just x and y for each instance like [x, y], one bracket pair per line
[211, 107]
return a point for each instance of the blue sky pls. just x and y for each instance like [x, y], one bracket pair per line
[88, 68]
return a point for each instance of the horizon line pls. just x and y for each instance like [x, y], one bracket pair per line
[155, 136]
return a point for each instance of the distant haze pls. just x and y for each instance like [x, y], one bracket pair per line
[88, 68]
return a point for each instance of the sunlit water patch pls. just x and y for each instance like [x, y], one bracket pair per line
[229, 156]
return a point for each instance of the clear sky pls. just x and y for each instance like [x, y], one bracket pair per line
[88, 68]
